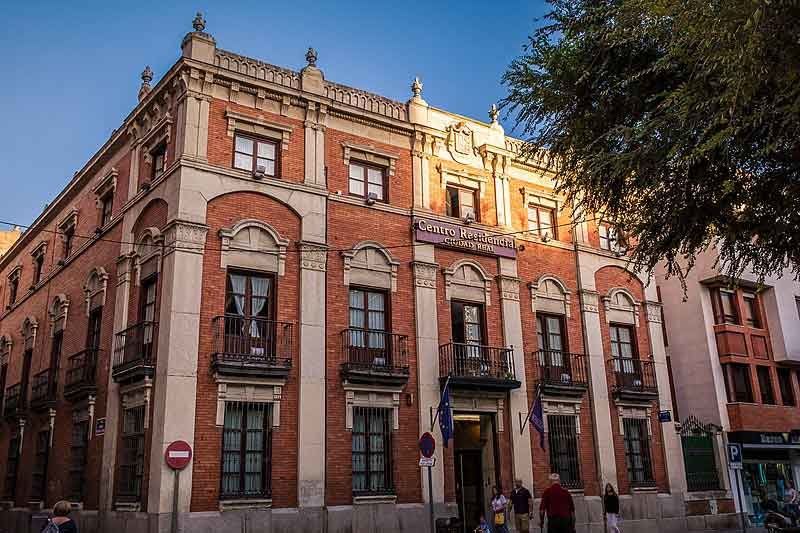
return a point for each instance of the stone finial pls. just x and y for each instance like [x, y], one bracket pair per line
[311, 57]
[416, 87]
[493, 113]
[147, 77]
[199, 23]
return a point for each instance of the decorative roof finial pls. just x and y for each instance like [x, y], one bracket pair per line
[147, 77]
[199, 23]
[311, 57]
[416, 87]
[493, 113]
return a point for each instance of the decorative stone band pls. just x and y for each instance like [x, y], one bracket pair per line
[425, 274]
[589, 301]
[313, 256]
[509, 287]
[653, 310]
[184, 236]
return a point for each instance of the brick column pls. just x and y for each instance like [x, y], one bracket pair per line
[176, 359]
[508, 284]
[604, 438]
[311, 408]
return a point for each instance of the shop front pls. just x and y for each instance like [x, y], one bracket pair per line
[770, 462]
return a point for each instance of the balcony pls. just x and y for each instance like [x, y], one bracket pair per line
[477, 367]
[80, 381]
[633, 379]
[562, 373]
[43, 390]
[13, 402]
[375, 357]
[135, 353]
[252, 347]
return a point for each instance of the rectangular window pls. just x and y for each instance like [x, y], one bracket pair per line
[69, 239]
[461, 203]
[725, 309]
[367, 181]
[637, 452]
[259, 156]
[78, 456]
[12, 466]
[38, 266]
[39, 476]
[608, 237]
[622, 341]
[765, 385]
[368, 326]
[786, 384]
[106, 207]
[550, 332]
[562, 438]
[131, 467]
[467, 322]
[93, 330]
[741, 387]
[13, 289]
[159, 158]
[249, 308]
[541, 221]
[372, 451]
[247, 450]
[752, 317]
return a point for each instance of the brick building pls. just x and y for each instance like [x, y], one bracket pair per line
[735, 350]
[8, 238]
[284, 272]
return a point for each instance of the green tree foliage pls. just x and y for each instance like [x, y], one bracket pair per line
[676, 120]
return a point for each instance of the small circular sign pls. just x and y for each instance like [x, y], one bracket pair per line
[427, 445]
[178, 455]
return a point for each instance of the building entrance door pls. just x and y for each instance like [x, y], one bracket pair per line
[474, 452]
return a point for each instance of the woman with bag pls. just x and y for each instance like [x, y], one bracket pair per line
[60, 522]
[499, 505]
[611, 509]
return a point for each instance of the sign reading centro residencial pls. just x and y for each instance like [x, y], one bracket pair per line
[464, 238]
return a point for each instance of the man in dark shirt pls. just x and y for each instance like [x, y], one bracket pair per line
[557, 504]
[522, 500]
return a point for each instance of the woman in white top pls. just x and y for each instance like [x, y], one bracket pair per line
[499, 506]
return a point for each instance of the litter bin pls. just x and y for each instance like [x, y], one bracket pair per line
[449, 525]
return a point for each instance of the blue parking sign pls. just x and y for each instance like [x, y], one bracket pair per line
[734, 455]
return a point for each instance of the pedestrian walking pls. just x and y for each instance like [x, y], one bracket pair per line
[611, 508]
[558, 506]
[60, 522]
[522, 501]
[499, 505]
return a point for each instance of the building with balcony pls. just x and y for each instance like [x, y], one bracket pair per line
[285, 273]
[734, 348]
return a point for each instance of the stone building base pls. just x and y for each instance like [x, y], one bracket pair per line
[642, 512]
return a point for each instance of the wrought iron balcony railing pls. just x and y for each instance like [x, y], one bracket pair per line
[135, 351]
[13, 402]
[374, 356]
[43, 389]
[562, 372]
[477, 366]
[81, 373]
[252, 346]
[633, 377]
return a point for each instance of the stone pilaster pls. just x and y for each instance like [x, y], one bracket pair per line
[508, 284]
[311, 419]
[176, 361]
[316, 119]
[604, 440]
[673, 450]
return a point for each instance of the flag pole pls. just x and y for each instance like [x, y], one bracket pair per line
[530, 410]
[441, 396]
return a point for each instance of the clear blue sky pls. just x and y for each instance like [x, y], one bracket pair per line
[71, 70]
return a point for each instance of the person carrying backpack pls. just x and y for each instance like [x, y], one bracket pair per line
[60, 522]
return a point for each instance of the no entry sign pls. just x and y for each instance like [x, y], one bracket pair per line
[427, 445]
[178, 455]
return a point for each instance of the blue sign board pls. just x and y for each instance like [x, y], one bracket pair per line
[734, 455]
[664, 416]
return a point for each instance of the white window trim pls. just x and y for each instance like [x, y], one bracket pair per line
[450, 281]
[636, 412]
[365, 272]
[490, 404]
[462, 179]
[252, 390]
[620, 313]
[104, 187]
[101, 289]
[233, 254]
[371, 155]
[28, 330]
[59, 310]
[258, 126]
[156, 252]
[136, 395]
[371, 396]
[6, 344]
[565, 300]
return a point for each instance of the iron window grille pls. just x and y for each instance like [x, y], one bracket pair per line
[12, 466]
[78, 456]
[372, 451]
[699, 458]
[132, 458]
[637, 452]
[562, 439]
[39, 475]
[247, 451]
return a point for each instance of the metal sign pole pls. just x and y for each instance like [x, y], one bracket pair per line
[739, 497]
[174, 525]
[430, 499]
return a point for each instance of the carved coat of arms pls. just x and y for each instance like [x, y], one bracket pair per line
[460, 142]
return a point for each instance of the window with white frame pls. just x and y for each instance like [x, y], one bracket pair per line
[541, 221]
[609, 238]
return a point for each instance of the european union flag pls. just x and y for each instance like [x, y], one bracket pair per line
[445, 414]
[537, 418]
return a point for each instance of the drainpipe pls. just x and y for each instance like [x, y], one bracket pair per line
[585, 337]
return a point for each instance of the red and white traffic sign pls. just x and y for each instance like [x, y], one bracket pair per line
[178, 455]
